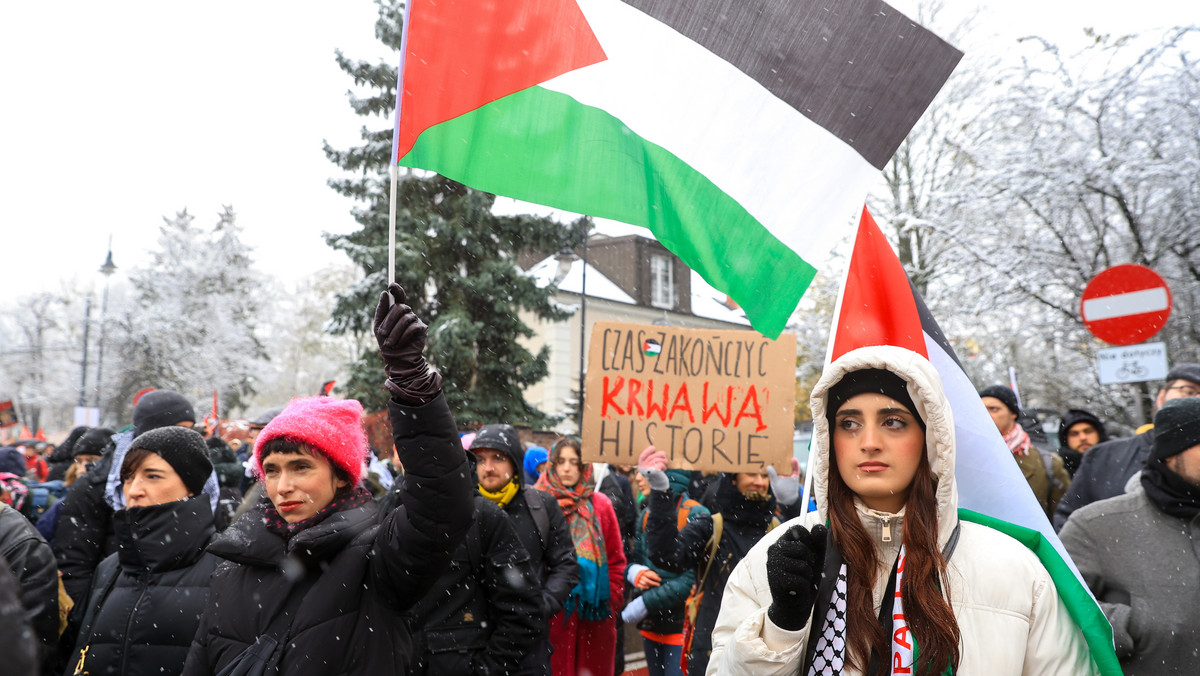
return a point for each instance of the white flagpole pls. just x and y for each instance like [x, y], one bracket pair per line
[392, 225]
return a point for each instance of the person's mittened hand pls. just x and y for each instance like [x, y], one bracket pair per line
[635, 611]
[652, 463]
[401, 337]
[785, 488]
[794, 566]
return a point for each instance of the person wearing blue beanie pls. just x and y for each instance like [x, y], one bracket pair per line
[535, 457]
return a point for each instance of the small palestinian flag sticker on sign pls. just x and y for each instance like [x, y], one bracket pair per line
[651, 347]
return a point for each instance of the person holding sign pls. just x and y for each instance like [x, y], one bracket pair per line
[584, 633]
[711, 545]
[898, 583]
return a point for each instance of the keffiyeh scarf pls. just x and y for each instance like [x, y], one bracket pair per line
[590, 598]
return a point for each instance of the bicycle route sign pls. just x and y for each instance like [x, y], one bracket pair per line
[1132, 364]
[1125, 305]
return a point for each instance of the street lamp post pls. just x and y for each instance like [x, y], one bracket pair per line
[87, 320]
[107, 270]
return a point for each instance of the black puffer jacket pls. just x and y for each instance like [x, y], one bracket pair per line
[484, 613]
[1103, 473]
[744, 524]
[31, 561]
[360, 575]
[85, 533]
[147, 598]
[551, 558]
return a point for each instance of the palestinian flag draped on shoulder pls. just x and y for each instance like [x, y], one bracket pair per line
[879, 306]
[742, 134]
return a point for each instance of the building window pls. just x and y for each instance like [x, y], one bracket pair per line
[662, 282]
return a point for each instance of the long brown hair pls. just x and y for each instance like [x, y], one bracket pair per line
[929, 614]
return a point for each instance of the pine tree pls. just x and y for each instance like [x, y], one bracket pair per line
[454, 257]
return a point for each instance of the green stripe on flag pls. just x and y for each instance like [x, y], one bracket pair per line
[545, 147]
[1080, 604]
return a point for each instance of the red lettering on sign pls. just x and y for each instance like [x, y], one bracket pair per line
[755, 412]
[609, 397]
[708, 412]
[682, 403]
[635, 386]
[651, 407]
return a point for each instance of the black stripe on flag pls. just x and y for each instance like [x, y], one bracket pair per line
[930, 326]
[860, 69]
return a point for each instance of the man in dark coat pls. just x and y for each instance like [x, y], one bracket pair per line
[539, 523]
[85, 532]
[312, 581]
[1079, 432]
[1138, 551]
[1107, 467]
[31, 561]
[483, 614]
[62, 457]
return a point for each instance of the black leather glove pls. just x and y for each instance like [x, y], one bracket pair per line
[401, 338]
[794, 566]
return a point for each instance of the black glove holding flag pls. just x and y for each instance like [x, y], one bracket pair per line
[794, 565]
[401, 337]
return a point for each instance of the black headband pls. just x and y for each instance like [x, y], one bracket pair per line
[878, 381]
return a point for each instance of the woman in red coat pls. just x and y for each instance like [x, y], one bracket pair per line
[584, 634]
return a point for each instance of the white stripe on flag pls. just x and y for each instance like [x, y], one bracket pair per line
[1124, 304]
[989, 481]
[764, 154]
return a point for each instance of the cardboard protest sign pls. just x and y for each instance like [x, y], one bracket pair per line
[715, 400]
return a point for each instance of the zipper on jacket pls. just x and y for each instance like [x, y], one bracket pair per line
[129, 622]
[887, 528]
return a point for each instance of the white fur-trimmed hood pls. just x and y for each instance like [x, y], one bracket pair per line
[925, 388]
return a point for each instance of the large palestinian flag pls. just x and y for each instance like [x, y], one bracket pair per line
[742, 134]
[879, 306]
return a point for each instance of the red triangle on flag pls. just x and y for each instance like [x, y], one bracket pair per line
[877, 305]
[463, 54]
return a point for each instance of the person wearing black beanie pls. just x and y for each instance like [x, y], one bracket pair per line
[161, 408]
[1079, 432]
[1137, 550]
[146, 600]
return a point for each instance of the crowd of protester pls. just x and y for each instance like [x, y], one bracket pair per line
[162, 549]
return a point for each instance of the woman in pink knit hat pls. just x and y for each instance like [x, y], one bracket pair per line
[310, 584]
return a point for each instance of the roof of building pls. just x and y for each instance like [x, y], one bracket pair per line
[550, 269]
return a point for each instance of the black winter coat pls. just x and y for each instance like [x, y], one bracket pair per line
[360, 576]
[552, 557]
[1103, 473]
[483, 615]
[85, 532]
[147, 598]
[745, 522]
[18, 638]
[31, 562]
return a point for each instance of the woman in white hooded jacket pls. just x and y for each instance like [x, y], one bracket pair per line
[908, 587]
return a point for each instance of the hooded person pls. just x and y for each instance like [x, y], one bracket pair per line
[807, 599]
[535, 458]
[84, 534]
[146, 598]
[658, 606]
[540, 525]
[60, 460]
[1148, 590]
[743, 510]
[1079, 431]
[311, 581]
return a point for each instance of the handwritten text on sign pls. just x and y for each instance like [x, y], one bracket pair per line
[720, 400]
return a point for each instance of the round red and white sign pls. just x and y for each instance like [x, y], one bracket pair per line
[1126, 304]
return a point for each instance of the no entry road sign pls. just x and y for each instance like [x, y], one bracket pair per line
[1126, 304]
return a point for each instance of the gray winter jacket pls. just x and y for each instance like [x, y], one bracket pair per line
[1144, 568]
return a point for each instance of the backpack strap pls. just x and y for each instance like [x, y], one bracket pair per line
[537, 509]
[710, 551]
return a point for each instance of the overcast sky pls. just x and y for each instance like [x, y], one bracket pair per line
[116, 114]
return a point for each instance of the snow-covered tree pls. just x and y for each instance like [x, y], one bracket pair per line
[191, 322]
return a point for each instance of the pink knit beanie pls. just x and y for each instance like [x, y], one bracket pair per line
[332, 426]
